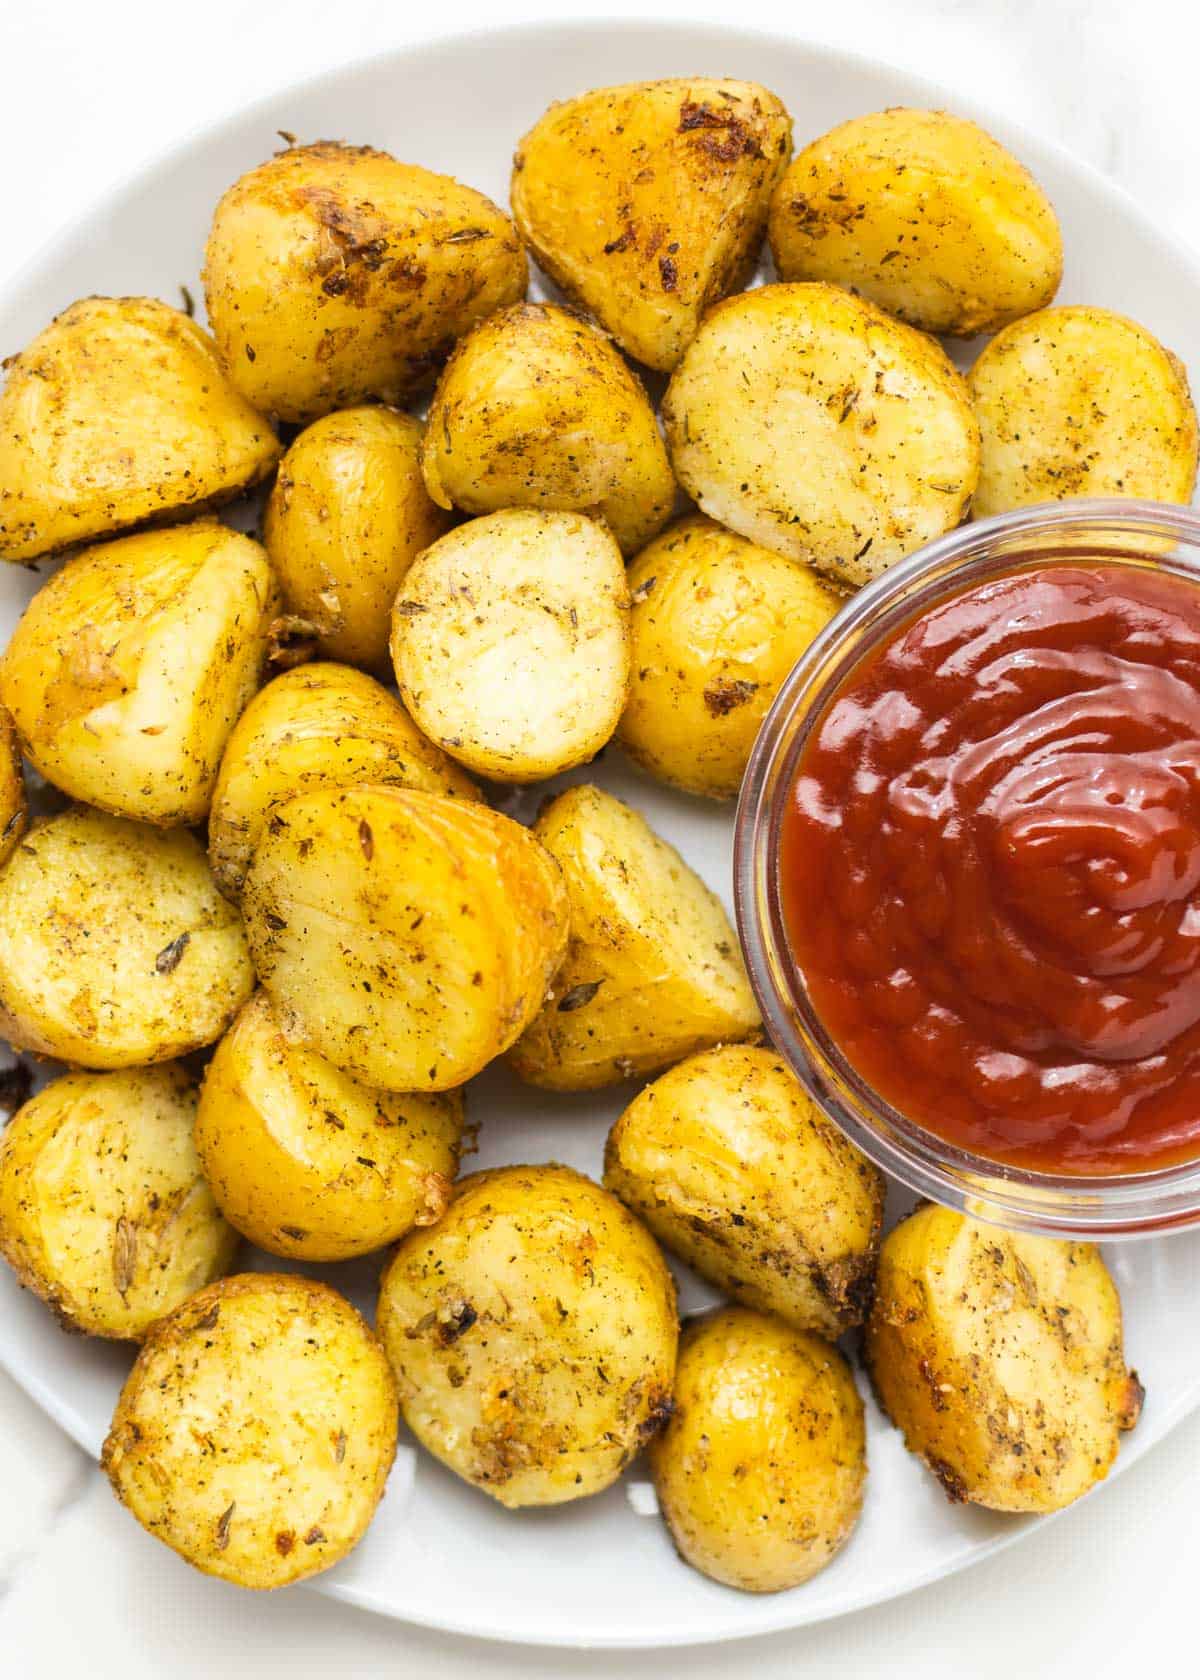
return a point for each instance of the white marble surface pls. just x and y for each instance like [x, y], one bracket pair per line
[89, 92]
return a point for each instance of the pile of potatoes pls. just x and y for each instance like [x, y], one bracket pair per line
[276, 926]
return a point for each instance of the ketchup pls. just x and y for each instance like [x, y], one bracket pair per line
[990, 869]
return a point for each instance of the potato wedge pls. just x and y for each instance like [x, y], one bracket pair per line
[255, 1433]
[652, 971]
[738, 1172]
[1081, 402]
[532, 1332]
[117, 413]
[318, 725]
[538, 409]
[510, 640]
[104, 1212]
[717, 624]
[131, 664]
[646, 203]
[335, 273]
[116, 948]
[760, 1472]
[810, 422]
[345, 519]
[14, 807]
[1000, 1357]
[923, 213]
[405, 937]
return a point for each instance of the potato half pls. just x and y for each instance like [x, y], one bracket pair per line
[510, 640]
[132, 663]
[1081, 402]
[346, 516]
[315, 726]
[334, 273]
[405, 937]
[117, 413]
[533, 1333]
[809, 421]
[923, 213]
[734, 1168]
[308, 1163]
[538, 409]
[760, 1472]
[646, 203]
[652, 971]
[1000, 1357]
[717, 624]
[116, 948]
[255, 1433]
[14, 807]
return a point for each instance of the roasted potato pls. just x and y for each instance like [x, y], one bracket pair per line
[923, 213]
[760, 1471]
[532, 1332]
[812, 423]
[717, 624]
[104, 1212]
[405, 937]
[510, 640]
[346, 517]
[334, 273]
[116, 948]
[14, 808]
[315, 726]
[652, 971]
[1081, 402]
[132, 663]
[537, 409]
[1000, 1357]
[256, 1430]
[738, 1172]
[118, 413]
[646, 203]
[308, 1163]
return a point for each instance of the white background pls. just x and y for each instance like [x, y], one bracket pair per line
[90, 90]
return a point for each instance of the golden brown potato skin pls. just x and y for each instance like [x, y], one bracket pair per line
[652, 971]
[533, 1334]
[335, 273]
[103, 1210]
[14, 807]
[1000, 1357]
[923, 213]
[131, 664]
[717, 624]
[346, 517]
[536, 408]
[116, 949]
[308, 1163]
[1081, 402]
[738, 1172]
[319, 725]
[117, 413]
[646, 203]
[405, 937]
[255, 1433]
[760, 1472]
[812, 423]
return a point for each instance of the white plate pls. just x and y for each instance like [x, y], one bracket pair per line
[599, 1573]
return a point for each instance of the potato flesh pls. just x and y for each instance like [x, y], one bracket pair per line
[116, 948]
[13, 804]
[533, 1334]
[760, 1472]
[130, 666]
[511, 642]
[810, 422]
[736, 1171]
[118, 413]
[256, 1430]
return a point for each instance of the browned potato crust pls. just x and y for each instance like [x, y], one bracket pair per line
[14, 808]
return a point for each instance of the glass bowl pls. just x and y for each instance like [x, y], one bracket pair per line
[1130, 533]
